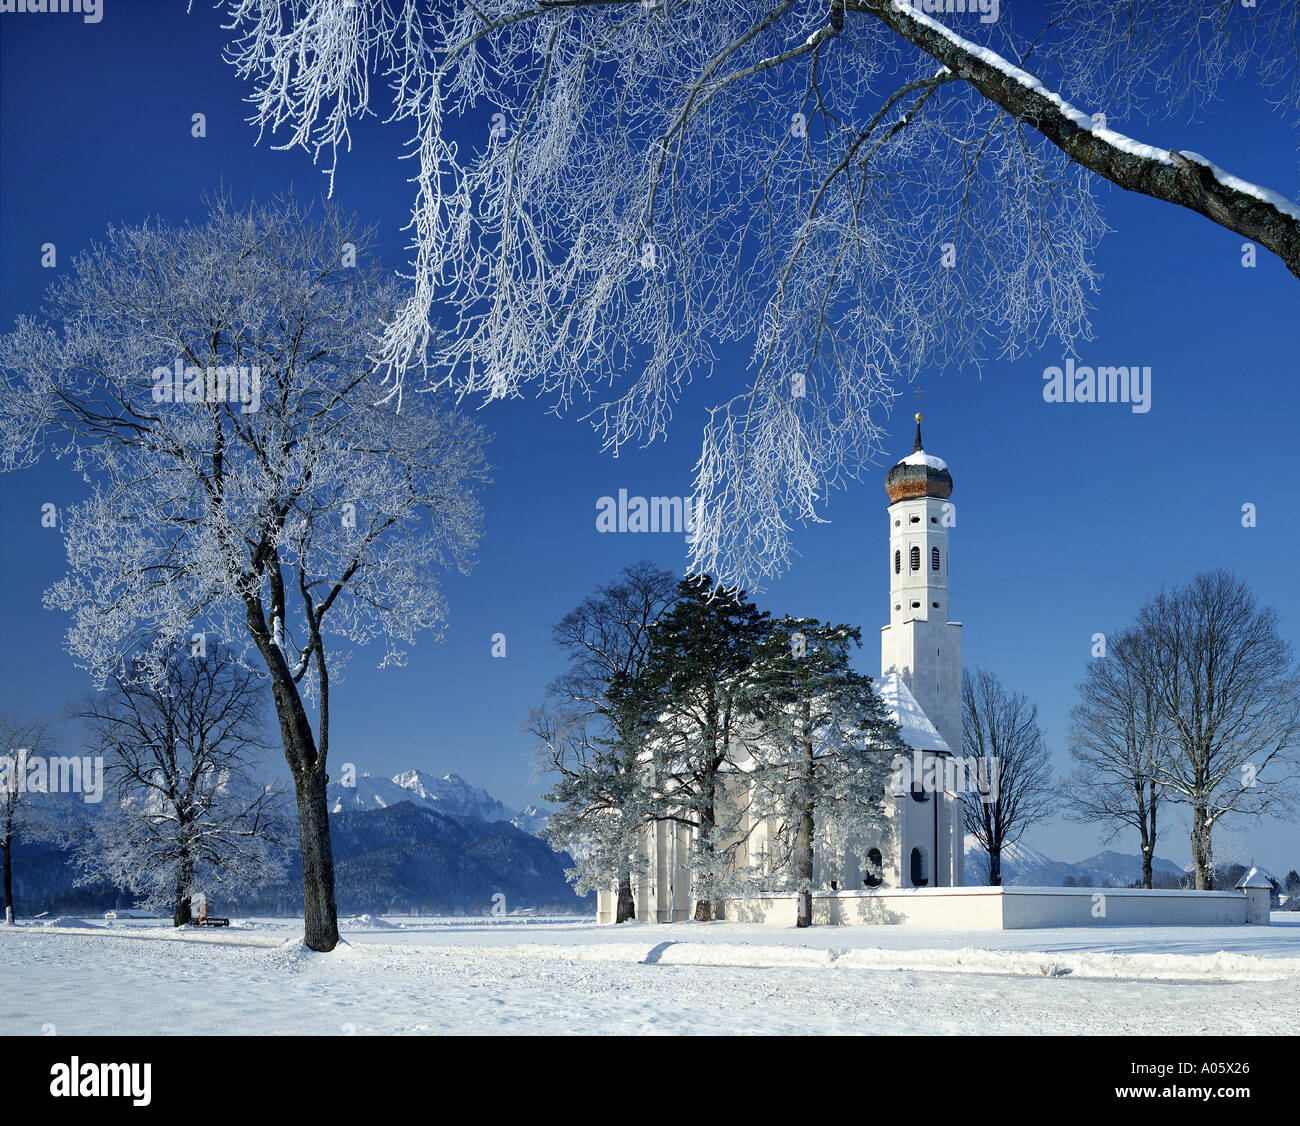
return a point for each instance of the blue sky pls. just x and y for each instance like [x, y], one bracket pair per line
[1069, 516]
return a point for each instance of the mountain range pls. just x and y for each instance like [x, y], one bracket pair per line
[416, 842]
[450, 795]
[1028, 867]
[407, 844]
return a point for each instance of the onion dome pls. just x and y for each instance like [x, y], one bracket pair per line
[919, 475]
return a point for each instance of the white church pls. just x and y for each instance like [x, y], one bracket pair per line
[920, 683]
[913, 874]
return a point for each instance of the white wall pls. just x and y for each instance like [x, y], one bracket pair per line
[985, 908]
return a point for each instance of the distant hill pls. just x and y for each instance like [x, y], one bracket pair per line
[407, 857]
[414, 842]
[1027, 867]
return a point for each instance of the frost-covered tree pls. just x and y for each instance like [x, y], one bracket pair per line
[607, 192]
[687, 696]
[215, 385]
[22, 813]
[181, 736]
[1229, 691]
[1014, 786]
[1292, 885]
[821, 745]
[1117, 738]
[590, 735]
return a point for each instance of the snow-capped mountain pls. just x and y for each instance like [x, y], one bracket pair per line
[532, 820]
[1027, 866]
[450, 795]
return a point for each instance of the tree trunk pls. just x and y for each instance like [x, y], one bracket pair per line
[995, 866]
[10, 913]
[704, 907]
[803, 850]
[626, 904]
[1201, 855]
[803, 845]
[321, 926]
[320, 917]
[182, 914]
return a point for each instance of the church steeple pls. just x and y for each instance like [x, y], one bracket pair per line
[920, 643]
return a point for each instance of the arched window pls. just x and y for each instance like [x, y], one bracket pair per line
[898, 562]
[919, 792]
[915, 558]
[920, 877]
[934, 559]
[874, 875]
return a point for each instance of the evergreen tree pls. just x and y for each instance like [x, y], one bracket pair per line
[821, 743]
[686, 697]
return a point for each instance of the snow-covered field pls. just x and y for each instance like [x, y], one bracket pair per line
[542, 975]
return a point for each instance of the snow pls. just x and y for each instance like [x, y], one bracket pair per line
[920, 457]
[1088, 123]
[914, 725]
[497, 975]
[1228, 180]
[1255, 878]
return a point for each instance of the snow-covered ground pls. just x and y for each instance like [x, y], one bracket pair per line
[540, 975]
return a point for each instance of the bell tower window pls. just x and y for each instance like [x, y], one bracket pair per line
[915, 558]
[934, 559]
[898, 562]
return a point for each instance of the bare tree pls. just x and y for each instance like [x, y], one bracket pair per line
[1014, 787]
[183, 756]
[848, 188]
[1229, 693]
[263, 494]
[22, 813]
[1117, 738]
[592, 740]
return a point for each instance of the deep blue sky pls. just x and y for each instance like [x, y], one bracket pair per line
[1069, 516]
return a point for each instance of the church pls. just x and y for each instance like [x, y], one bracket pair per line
[920, 684]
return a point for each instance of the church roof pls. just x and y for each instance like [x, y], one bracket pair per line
[919, 475]
[913, 724]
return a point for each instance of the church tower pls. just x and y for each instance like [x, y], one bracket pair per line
[920, 665]
[920, 644]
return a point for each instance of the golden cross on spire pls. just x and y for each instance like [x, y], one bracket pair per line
[918, 395]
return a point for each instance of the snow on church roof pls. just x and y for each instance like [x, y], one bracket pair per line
[920, 457]
[913, 724]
